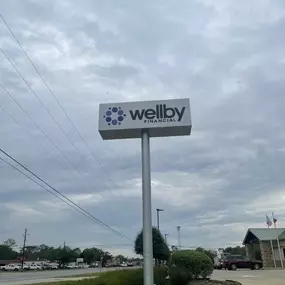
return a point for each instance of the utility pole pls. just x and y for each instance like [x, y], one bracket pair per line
[179, 237]
[24, 247]
[157, 216]
[165, 237]
[64, 245]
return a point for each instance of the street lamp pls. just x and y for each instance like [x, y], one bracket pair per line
[157, 216]
[165, 237]
[179, 237]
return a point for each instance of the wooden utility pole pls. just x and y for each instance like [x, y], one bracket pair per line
[24, 247]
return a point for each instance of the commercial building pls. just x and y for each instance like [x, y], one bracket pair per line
[269, 244]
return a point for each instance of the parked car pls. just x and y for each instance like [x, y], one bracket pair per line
[233, 262]
[53, 266]
[71, 266]
[11, 267]
[25, 267]
[35, 267]
[50, 266]
[219, 259]
[218, 263]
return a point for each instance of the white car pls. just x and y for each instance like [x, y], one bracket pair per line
[25, 267]
[70, 266]
[11, 267]
[35, 267]
[53, 266]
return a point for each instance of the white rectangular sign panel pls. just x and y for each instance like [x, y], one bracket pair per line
[162, 118]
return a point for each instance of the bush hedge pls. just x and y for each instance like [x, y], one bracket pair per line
[187, 265]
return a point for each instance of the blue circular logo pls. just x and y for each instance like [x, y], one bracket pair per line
[114, 116]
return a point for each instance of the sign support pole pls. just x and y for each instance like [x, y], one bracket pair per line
[147, 222]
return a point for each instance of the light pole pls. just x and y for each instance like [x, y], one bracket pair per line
[165, 237]
[179, 237]
[157, 216]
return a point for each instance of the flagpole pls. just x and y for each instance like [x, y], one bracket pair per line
[271, 243]
[280, 253]
[273, 219]
[273, 254]
[278, 243]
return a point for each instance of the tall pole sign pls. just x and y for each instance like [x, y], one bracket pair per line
[144, 120]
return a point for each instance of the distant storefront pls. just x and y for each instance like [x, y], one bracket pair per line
[268, 243]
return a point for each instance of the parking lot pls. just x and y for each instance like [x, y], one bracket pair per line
[249, 277]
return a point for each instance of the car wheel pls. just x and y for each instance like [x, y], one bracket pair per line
[256, 266]
[233, 267]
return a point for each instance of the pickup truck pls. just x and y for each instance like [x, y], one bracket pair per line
[11, 267]
[35, 267]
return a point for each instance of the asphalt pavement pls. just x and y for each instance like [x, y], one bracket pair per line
[252, 277]
[29, 277]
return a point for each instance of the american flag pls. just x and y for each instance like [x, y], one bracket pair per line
[268, 221]
[274, 219]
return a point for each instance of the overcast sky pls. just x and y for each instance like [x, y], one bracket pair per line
[226, 56]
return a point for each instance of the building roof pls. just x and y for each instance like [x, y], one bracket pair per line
[264, 234]
[5, 262]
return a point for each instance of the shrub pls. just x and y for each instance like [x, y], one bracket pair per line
[180, 275]
[187, 265]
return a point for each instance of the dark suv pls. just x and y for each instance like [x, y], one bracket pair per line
[232, 262]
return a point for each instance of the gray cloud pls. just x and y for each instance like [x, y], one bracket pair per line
[227, 57]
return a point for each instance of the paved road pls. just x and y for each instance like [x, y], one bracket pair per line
[255, 277]
[19, 278]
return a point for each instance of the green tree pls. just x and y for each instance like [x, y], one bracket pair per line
[31, 252]
[7, 253]
[92, 254]
[64, 255]
[236, 250]
[10, 242]
[45, 252]
[121, 258]
[207, 252]
[76, 252]
[160, 248]
[106, 257]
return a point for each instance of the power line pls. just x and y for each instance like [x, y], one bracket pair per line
[59, 193]
[78, 245]
[54, 96]
[73, 204]
[46, 135]
[47, 110]
[36, 182]
[29, 133]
